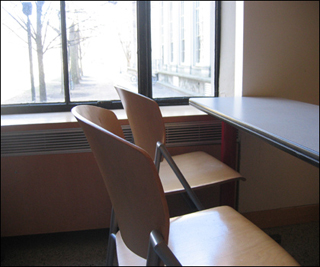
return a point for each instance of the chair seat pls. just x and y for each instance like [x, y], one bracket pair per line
[200, 169]
[216, 236]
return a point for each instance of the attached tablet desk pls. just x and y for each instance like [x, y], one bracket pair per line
[289, 125]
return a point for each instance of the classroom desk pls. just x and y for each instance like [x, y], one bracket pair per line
[292, 126]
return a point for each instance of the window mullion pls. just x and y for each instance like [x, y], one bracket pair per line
[217, 47]
[144, 48]
[64, 52]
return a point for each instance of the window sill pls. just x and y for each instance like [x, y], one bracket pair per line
[169, 113]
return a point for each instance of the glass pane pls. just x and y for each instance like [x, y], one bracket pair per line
[182, 34]
[102, 48]
[30, 52]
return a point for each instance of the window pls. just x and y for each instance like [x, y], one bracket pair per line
[55, 55]
[187, 34]
[171, 29]
[197, 32]
[182, 30]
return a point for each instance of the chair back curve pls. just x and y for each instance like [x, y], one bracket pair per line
[101, 117]
[131, 180]
[145, 120]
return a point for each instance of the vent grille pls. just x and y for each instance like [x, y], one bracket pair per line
[44, 142]
[193, 133]
[74, 141]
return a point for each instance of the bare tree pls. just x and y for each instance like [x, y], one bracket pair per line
[37, 30]
[44, 33]
[38, 35]
[27, 10]
[42, 83]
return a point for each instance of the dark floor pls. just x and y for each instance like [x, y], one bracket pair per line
[88, 248]
[301, 241]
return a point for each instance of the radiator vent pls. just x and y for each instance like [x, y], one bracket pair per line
[73, 140]
[193, 133]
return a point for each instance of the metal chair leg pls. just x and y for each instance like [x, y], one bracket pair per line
[111, 250]
[161, 148]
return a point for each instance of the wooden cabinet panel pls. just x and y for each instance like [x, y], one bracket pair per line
[52, 193]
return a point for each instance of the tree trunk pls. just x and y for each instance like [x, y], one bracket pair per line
[74, 39]
[33, 91]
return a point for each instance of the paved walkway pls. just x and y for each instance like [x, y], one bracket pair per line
[91, 88]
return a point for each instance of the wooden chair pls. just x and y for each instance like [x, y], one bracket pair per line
[217, 236]
[194, 170]
[108, 121]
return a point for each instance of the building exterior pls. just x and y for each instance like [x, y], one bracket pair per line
[182, 35]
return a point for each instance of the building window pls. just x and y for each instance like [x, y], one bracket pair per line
[182, 34]
[55, 55]
[171, 25]
[197, 32]
[191, 75]
[162, 33]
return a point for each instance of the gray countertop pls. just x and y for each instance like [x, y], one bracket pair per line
[290, 125]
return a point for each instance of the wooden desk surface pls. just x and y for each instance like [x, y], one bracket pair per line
[292, 126]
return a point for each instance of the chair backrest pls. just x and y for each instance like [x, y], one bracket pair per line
[145, 120]
[131, 179]
[102, 117]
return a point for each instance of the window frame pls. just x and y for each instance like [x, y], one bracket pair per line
[144, 68]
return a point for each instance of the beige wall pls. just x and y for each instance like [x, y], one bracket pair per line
[227, 52]
[281, 49]
[275, 179]
[280, 58]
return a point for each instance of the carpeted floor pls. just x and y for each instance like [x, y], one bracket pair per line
[301, 241]
[88, 248]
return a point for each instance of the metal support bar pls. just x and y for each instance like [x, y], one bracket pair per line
[228, 190]
[111, 250]
[159, 251]
[161, 149]
[157, 157]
